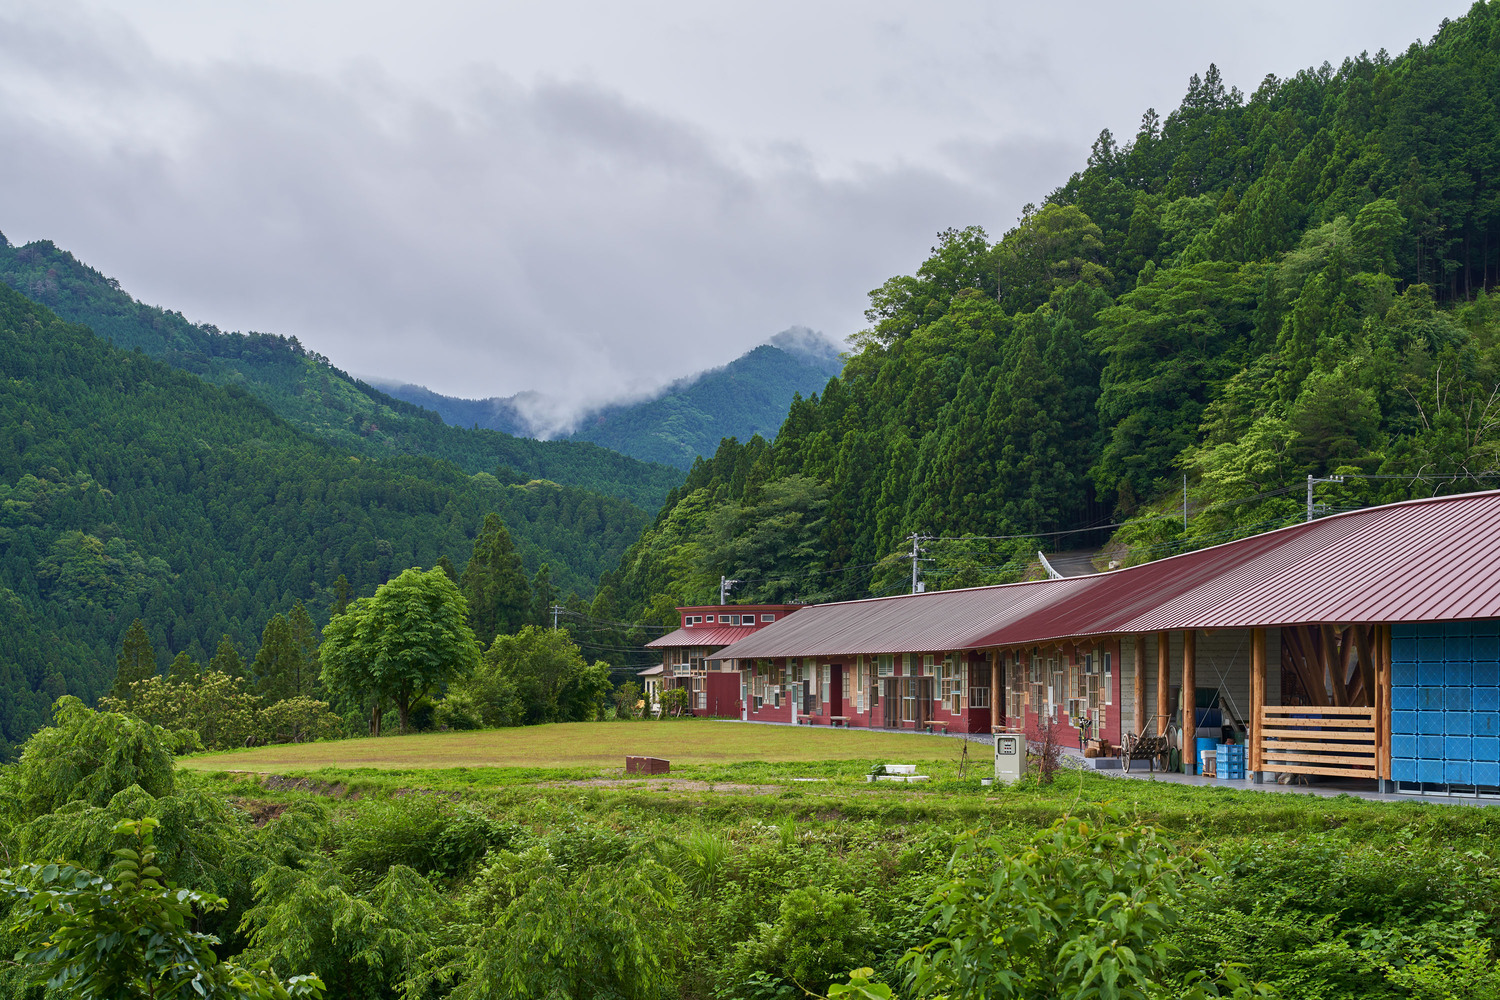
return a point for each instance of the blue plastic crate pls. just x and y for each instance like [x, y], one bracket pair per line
[1404, 673]
[1485, 747]
[1430, 770]
[1458, 723]
[1487, 723]
[1486, 626]
[1430, 648]
[1232, 752]
[1486, 699]
[1487, 647]
[1403, 769]
[1431, 698]
[1430, 672]
[1430, 747]
[1458, 672]
[1404, 699]
[1458, 647]
[1430, 722]
[1403, 722]
[1403, 746]
[1485, 772]
[1403, 648]
[1459, 699]
[1458, 628]
[1458, 748]
[1458, 772]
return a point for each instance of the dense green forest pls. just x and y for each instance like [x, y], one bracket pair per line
[306, 390]
[130, 489]
[524, 883]
[688, 419]
[1249, 291]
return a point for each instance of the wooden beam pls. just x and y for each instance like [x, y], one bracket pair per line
[1297, 640]
[1140, 684]
[1189, 700]
[1257, 694]
[1163, 682]
[1366, 662]
[1333, 667]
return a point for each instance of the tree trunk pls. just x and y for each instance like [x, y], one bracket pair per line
[375, 720]
[403, 712]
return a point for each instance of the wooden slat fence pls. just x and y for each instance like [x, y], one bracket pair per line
[1337, 741]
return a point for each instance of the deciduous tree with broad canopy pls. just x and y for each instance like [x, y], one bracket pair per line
[401, 643]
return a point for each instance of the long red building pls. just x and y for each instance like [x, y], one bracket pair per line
[1363, 644]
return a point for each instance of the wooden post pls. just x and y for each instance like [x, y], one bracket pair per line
[1140, 685]
[1334, 667]
[1383, 711]
[1189, 701]
[1163, 682]
[995, 689]
[1257, 696]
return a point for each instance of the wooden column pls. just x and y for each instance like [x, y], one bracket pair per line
[995, 722]
[1383, 704]
[1140, 684]
[1163, 683]
[1189, 700]
[1257, 696]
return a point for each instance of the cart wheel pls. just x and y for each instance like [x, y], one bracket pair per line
[1125, 759]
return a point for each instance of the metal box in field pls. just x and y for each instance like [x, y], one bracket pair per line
[1010, 757]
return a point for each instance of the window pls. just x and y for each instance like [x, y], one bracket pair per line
[979, 697]
[886, 665]
[1038, 699]
[695, 620]
[825, 694]
[768, 618]
[1109, 679]
[927, 665]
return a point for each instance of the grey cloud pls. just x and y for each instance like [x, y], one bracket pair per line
[553, 237]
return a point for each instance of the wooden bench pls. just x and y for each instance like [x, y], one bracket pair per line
[839, 720]
[942, 727]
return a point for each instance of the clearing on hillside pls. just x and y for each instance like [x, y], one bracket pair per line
[593, 744]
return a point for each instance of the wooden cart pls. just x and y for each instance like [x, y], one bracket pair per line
[1146, 746]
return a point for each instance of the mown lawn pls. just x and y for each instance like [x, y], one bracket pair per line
[601, 746]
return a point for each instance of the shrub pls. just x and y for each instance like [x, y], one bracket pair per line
[816, 936]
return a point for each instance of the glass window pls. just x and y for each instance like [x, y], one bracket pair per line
[768, 618]
[886, 665]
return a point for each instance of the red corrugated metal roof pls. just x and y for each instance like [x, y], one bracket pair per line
[703, 635]
[1423, 560]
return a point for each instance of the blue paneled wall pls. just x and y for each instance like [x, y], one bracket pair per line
[1445, 703]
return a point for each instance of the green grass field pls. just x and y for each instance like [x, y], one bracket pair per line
[598, 746]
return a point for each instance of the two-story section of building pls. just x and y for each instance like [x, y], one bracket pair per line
[714, 688]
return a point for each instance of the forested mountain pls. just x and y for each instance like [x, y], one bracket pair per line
[304, 388]
[688, 419]
[1247, 292]
[130, 489]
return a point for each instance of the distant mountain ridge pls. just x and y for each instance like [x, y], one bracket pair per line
[308, 391]
[750, 395]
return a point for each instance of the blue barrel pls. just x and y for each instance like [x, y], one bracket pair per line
[1204, 743]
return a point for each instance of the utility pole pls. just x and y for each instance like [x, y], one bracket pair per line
[1184, 502]
[1310, 481]
[556, 610]
[724, 586]
[916, 560]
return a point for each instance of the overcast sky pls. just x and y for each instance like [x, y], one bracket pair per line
[584, 199]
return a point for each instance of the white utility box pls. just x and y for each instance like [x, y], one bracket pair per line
[1010, 757]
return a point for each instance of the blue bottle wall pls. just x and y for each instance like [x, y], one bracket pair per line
[1445, 703]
